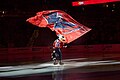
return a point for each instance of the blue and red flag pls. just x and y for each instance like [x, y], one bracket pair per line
[60, 22]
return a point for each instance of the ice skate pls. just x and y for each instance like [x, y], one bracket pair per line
[55, 62]
[61, 63]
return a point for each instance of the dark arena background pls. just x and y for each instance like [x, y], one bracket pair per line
[25, 49]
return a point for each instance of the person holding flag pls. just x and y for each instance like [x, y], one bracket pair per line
[57, 45]
[65, 27]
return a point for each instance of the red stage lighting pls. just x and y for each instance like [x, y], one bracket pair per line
[87, 2]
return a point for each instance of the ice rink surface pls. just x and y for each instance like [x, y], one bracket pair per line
[72, 68]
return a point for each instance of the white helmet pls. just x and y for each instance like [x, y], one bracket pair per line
[62, 38]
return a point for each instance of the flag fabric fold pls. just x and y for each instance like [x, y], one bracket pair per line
[60, 22]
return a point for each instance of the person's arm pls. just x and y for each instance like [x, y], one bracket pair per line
[65, 45]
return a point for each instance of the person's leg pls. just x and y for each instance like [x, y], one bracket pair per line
[56, 56]
[53, 55]
[60, 57]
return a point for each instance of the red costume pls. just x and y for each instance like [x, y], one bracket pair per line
[58, 44]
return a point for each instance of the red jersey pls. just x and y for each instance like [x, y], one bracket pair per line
[58, 44]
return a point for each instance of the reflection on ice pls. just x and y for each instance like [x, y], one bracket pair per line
[49, 67]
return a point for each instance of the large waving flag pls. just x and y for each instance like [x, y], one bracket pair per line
[61, 23]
